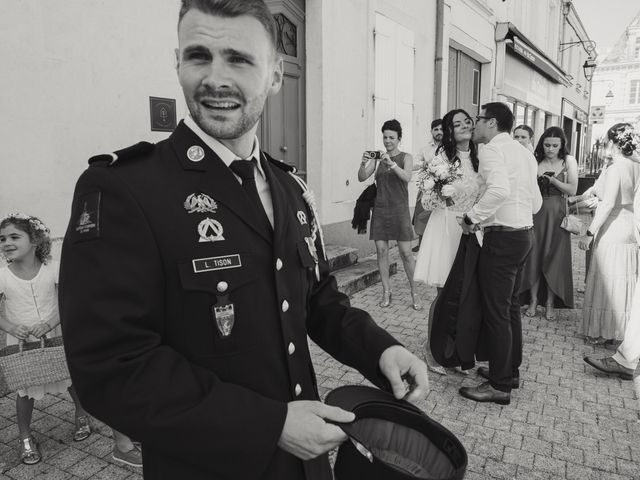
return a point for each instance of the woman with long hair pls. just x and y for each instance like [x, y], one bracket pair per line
[391, 219]
[548, 278]
[457, 155]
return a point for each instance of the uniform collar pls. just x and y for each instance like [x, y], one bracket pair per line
[226, 155]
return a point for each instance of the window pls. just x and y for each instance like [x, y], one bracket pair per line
[394, 64]
[476, 87]
[636, 53]
[634, 91]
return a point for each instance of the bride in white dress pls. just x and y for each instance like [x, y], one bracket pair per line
[442, 234]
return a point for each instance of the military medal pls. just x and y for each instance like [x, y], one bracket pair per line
[200, 203]
[224, 315]
[210, 230]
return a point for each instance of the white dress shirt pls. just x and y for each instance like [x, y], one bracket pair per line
[227, 156]
[508, 184]
[425, 155]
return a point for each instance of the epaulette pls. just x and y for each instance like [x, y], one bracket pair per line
[108, 159]
[280, 164]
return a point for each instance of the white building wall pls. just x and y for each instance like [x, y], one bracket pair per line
[340, 106]
[75, 81]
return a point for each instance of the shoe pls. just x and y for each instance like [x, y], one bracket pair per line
[439, 369]
[386, 299]
[461, 371]
[486, 393]
[531, 312]
[29, 453]
[610, 366]
[83, 428]
[416, 249]
[484, 373]
[133, 457]
[415, 305]
[594, 340]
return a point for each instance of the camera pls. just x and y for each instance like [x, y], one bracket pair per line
[372, 154]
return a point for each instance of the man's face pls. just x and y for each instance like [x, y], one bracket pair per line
[436, 133]
[481, 131]
[227, 67]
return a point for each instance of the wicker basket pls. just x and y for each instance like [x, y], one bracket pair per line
[34, 363]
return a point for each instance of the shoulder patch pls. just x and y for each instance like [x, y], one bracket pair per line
[108, 159]
[86, 217]
[280, 164]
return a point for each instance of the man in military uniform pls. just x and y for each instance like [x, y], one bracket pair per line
[189, 282]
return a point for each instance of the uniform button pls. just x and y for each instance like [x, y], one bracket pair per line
[298, 389]
[222, 287]
[279, 264]
[292, 348]
[285, 305]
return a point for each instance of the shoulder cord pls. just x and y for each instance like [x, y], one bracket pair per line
[307, 195]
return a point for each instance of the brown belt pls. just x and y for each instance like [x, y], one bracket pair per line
[502, 228]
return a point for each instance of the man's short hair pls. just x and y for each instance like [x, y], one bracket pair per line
[436, 123]
[234, 8]
[502, 113]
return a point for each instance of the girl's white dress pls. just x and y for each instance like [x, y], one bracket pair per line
[442, 235]
[29, 302]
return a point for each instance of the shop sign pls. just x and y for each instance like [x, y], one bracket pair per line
[535, 59]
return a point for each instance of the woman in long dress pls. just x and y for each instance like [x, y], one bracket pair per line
[391, 219]
[615, 258]
[548, 277]
[442, 234]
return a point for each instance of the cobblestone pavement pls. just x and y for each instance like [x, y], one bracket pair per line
[565, 422]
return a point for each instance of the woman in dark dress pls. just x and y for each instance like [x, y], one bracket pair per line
[391, 219]
[547, 278]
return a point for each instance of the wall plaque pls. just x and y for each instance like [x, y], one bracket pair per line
[163, 114]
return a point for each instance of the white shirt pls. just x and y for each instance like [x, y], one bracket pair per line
[425, 155]
[227, 156]
[508, 185]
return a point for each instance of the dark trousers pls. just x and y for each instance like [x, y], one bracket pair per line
[502, 259]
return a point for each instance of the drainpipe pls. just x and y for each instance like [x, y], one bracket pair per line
[437, 87]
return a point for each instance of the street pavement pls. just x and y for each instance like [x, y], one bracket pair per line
[566, 421]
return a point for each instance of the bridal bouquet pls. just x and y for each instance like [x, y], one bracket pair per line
[435, 182]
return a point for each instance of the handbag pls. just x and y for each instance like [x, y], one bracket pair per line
[29, 364]
[572, 223]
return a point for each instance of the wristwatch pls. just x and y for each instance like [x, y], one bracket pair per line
[467, 220]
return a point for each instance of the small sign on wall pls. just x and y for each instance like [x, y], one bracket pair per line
[163, 114]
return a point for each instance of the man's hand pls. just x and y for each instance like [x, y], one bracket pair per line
[306, 434]
[398, 363]
[21, 332]
[466, 229]
[39, 330]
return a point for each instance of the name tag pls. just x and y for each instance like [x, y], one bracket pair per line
[216, 263]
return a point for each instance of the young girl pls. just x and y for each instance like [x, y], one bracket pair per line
[28, 289]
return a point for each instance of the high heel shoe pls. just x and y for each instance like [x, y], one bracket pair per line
[386, 299]
[415, 305]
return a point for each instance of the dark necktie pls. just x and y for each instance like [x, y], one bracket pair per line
[245, 170]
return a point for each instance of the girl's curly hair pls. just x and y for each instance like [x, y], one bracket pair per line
[37, 231]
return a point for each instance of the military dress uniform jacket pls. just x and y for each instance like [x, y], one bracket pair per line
[144, 266]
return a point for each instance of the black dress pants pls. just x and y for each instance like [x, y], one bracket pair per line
[502, 259]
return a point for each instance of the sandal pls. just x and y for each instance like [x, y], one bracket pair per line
[550, 313]
[29, 453]
[530, 312]
[386, 299]
[83, 428]
[417, 306]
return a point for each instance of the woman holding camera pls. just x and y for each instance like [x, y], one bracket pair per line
[390, 219]
[548, 277]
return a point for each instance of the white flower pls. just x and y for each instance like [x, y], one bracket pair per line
[447, 190]
[428, 184]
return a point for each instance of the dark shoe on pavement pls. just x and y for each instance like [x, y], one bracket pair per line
[610, 366]
[484, 373]
[486, 393]
[133, 457]
[415, 249]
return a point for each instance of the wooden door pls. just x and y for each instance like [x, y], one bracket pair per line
[282, 131]
[463, 82]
